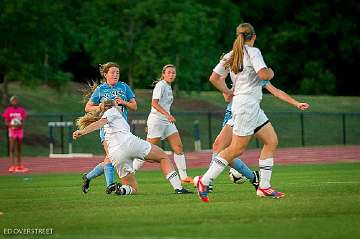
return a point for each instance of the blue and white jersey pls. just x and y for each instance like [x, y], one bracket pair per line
[106, 92]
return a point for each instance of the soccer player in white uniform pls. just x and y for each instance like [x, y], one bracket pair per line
[161, 124]
[123, 147]
[247, 70]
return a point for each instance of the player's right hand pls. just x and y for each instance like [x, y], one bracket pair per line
[77, 134]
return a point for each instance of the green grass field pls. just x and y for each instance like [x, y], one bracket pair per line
[323, 201]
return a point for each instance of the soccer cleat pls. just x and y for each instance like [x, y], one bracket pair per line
[269, 192]
[21, 169]
[202, 190]
[187, 180]
[117, 188]
[112, 187]
[12, 169]
[182, 191]
[211, 187]
[256, 180]
[86, 184]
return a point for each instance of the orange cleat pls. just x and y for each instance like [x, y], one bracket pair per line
[187, 180]
[12, 169]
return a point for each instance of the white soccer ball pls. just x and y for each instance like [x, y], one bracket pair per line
[236, 177]
[15, 121]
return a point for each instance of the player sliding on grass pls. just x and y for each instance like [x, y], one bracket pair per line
[110, 89]
[123, 147]
[247, 70]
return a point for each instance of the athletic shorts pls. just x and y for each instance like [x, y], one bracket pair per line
[123, 155]
[248, 118]
[16, 133]
[159, 128]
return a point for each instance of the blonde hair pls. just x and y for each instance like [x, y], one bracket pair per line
[94, 115]
[162, 73]
[244, 32]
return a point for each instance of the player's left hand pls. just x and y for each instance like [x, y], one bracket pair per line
[303, 106]
[77, 134]
[119, 101]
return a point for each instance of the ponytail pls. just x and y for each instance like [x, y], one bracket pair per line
[94, 115]
[244, 33]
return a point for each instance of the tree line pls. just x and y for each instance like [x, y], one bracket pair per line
[312, 45]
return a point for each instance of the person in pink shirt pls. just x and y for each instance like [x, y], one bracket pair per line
[14, 119]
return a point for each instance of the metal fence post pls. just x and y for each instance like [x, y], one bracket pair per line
[344, 128]
[196, 134]
[62, 135]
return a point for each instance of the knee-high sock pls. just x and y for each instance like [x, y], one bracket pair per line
[180, 162]
[109, 174]
[137, 164]
[213, 155]
[125, 190]
[214, 170]
[174, 180]
[95, 172]
[265, 166]
[242, 168]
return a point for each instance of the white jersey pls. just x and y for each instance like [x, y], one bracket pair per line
[163, 93]
[246, 82]
[117, 130]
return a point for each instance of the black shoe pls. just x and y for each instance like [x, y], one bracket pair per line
[111, 188]
[211, 187]
[182, 191]
[86, 184]
[256, 180]
[119, 190]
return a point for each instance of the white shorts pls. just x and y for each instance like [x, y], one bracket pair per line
[122, 157]
[249, 116]
[159, 128]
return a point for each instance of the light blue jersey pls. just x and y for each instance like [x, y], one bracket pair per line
[228, 113]
[106, 92]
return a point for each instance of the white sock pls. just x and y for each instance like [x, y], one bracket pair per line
[213, 156]
[174, 180]
[137, 164]
[218, 165]
[125, 190]
[265, 166]
[179, 160]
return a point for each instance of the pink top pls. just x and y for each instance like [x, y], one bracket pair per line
[12, 112]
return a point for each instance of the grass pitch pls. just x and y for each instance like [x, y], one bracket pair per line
[322, 201]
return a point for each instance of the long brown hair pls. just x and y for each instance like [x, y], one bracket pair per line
[94, 115]
[91, 86]
[162, 73]
[244, 32]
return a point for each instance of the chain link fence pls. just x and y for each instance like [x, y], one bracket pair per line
[294, 129]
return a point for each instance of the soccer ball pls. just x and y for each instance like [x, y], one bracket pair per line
[236, 177]
[15, 121]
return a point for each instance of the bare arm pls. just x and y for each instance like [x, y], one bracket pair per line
[90, 128]
[131, 105]
[219, 82]
[158, 107]
[285, 97]
[90, 106]
[265, 74]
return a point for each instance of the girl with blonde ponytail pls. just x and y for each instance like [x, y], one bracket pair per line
[249, 75]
